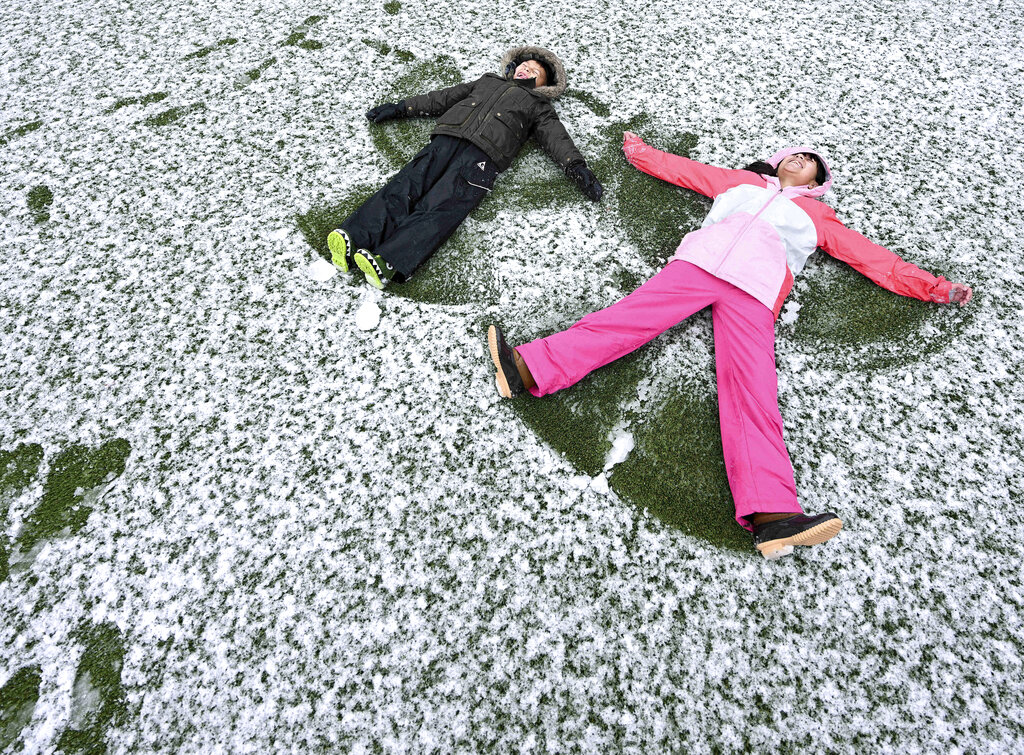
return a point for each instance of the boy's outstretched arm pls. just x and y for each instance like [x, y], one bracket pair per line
[431, 103]
[555, 140]
[437, 101]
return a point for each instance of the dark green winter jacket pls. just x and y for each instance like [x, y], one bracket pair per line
[498, 114]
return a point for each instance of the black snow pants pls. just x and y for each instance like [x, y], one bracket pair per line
[422, 205]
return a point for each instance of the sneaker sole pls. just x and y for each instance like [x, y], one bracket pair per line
[814, 536]
[499, 376]
[368, 270]
[339, 250]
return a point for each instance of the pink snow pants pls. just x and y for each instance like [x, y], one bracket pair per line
[756, 460]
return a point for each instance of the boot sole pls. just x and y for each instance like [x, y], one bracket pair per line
[499, 376]
[814, 536]
[339, 250]
[368, 270]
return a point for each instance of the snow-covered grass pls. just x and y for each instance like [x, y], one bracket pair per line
[244, 509]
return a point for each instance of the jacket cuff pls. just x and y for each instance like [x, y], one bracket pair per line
[939, 292]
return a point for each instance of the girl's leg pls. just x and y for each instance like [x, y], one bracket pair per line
[675, 293]
[756, 460]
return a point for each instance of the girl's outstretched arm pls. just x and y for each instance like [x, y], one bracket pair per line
[885, 268]
[682, 171]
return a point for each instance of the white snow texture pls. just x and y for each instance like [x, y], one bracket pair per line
[331, 535]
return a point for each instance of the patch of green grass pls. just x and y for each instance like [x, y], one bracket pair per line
[17, 470]
[382, 47]
[653, 213]
[174, 114]
[64, 505]
[39, 200]
[256, 72]
[676, 471]
[313, 20]
[597, 107]
[319, 221]
[203, 52]
[298, 39]
[840, 307]
[392, 8]
[399, 140]
[18, 699]
[578, 420]
[403, 55]
[98, 696]
[17, 131]
[146, 99]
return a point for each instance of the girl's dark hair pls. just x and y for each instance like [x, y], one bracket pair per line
[762, 167]
[765, 169]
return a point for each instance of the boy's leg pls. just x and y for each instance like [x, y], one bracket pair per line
[756, 460]
[378, 217]
[467, 179]
[672, 295]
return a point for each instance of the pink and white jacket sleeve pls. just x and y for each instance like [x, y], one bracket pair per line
[682, 171]
[885, 268]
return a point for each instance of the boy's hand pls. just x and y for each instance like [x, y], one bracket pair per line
[385, 112]
[585, 179]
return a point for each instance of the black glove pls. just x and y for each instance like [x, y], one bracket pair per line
[584, 177]
[385, 112]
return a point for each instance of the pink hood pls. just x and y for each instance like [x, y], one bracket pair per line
[817, 191]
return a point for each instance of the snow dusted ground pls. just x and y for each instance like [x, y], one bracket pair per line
[314, 526]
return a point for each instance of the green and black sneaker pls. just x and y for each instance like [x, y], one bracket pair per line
[376, 269]
[341, 249]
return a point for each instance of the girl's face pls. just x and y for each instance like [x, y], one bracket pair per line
[531, 69]
[798, 170]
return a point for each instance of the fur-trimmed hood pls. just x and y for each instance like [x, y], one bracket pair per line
[516, 55]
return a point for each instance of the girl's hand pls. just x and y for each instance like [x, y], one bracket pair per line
[960, 293]
[632, 144]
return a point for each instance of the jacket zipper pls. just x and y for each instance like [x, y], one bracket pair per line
[739, 234]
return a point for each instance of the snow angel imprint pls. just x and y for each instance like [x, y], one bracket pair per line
[482, 126]
[764, 224]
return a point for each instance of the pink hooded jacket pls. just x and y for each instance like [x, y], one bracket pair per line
[759, 235]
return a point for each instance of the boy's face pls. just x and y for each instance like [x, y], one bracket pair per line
[531, 69]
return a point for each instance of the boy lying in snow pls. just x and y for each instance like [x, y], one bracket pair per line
[483, 125]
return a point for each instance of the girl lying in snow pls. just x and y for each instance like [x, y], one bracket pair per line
[764, 224]
[483, 125]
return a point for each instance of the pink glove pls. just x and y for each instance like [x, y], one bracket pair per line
[632, 145]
